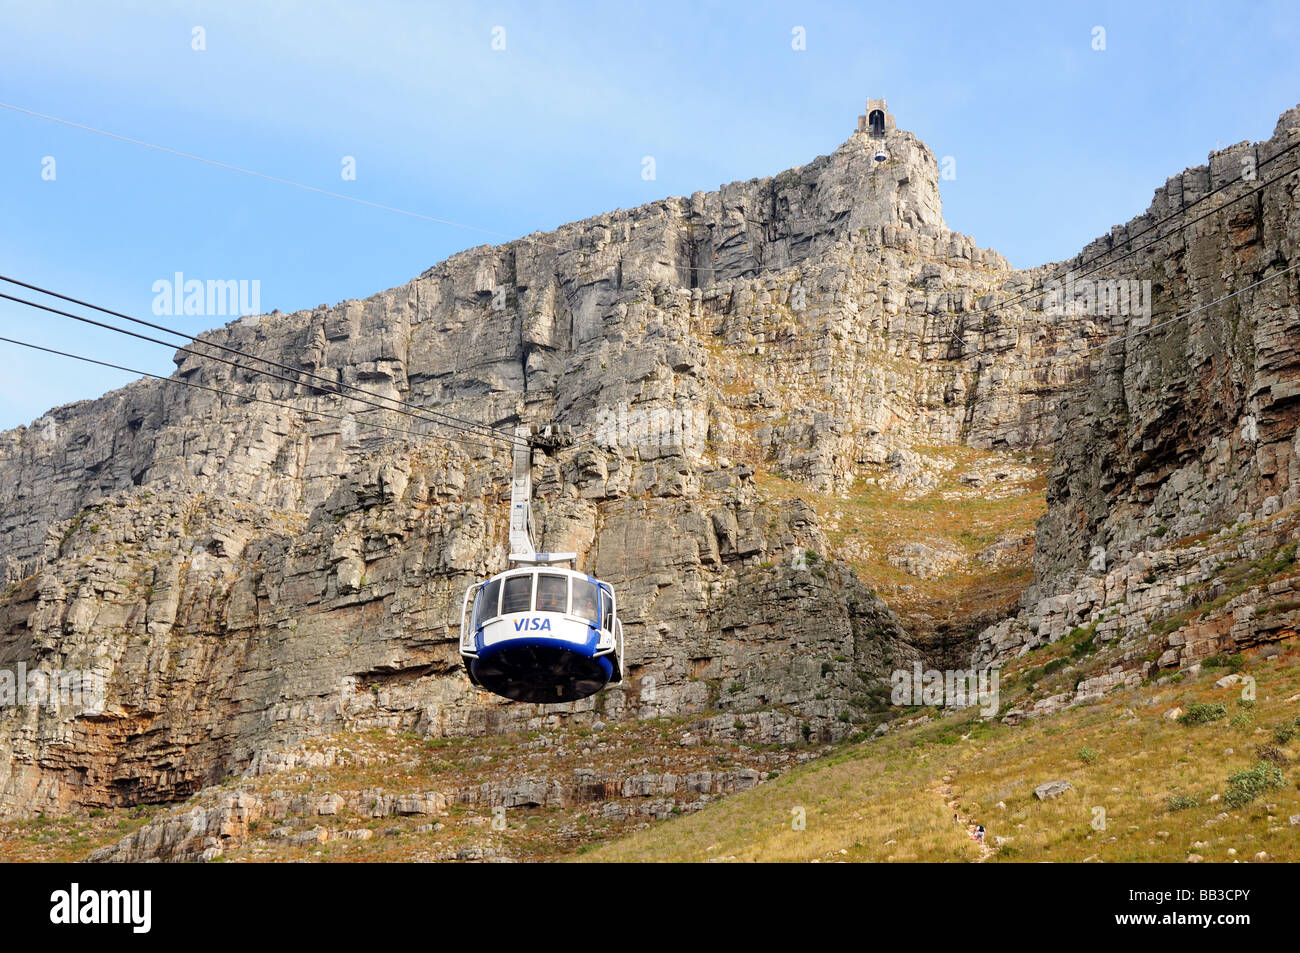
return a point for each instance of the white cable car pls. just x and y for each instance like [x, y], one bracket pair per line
[876, 120]
[539, 633]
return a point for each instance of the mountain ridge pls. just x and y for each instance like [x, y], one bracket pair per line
[247, 578]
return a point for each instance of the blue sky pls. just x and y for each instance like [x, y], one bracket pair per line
[1054, 141]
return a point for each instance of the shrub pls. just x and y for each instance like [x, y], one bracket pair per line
[1245, 786]
[1283, 733]
[1083, 647]
[1267, 752]
[1234, 663]
[1181, 802]
[1088, 755]
[1202, 713]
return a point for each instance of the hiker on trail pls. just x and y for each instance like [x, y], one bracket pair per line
[979, 833]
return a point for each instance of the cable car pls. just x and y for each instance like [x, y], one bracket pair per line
[540, 632]
[876, 123]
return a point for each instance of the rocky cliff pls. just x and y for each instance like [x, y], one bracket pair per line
[1170, 528]
[738, 368]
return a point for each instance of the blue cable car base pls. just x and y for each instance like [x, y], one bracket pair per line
[539, 672]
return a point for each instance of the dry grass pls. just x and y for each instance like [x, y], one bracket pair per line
[857, 807]
[872, 519]
[1121, 756]
[68, 838]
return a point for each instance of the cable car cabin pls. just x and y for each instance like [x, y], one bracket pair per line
[541, 634]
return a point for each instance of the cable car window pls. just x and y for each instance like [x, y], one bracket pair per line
[609, 612]
[517, 595]
[586, 602]
[478, 604]
[485, 604]
[552, 593]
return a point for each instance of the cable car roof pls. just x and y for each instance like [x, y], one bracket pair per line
[552, 570]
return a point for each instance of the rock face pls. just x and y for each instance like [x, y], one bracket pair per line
[1051, 789]
[243, 575]
[1177, 455]
[1188, 424]
[923, 559]
[589, 784]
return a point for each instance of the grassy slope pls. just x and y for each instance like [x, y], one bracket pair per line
[891, 798]
[888, 799]
[70, 837]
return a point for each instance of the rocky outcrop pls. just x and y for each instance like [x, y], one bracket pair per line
[1185, 424]
[1172, 498]
[565, 787]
